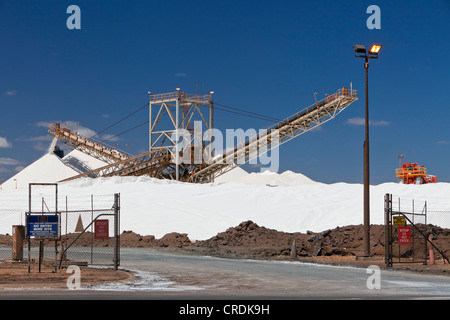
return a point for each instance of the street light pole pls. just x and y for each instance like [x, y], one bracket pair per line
[366, 169]
[372, 54]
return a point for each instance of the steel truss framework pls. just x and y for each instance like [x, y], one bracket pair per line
[278, 134]
[164, 159]
[181, 110]
[89, 146]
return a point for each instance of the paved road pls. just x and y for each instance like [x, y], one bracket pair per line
[173, 276]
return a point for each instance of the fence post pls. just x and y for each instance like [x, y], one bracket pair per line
[18, 235]
[116, 231]
[387, 229]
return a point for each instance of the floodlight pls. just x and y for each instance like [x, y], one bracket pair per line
[375, 48]
[359, 49]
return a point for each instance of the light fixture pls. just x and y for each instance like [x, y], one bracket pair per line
[375, 48]
[359, 49]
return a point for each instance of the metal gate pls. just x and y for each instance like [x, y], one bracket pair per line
[55, 230]
[406, 232]
[91, 243]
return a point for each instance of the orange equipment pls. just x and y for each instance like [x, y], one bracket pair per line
[412, 173]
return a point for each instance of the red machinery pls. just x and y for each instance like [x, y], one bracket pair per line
[412, 173]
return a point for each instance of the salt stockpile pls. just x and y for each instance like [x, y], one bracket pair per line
[157, 207]
[82, 162]
[47, 169]
[289, 202]
[287, 178]
[50, 169]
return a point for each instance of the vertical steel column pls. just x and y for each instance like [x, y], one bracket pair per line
[177, 138]
[92, 229]
[116, 231]
[211, 127]
[41, 254]
[387, 230]
[366, 169]
[56, 255]
[150, 121]
[27, 226]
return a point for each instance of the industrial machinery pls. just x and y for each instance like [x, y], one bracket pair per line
[412, 173]
[163, 160]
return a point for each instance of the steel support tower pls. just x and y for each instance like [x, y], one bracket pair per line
[177, 121]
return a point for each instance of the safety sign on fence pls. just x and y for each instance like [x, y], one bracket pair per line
[101, 229]
[45, 226]
[404, 235]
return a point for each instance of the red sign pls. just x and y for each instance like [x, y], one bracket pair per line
[101, 229]
[404, 235]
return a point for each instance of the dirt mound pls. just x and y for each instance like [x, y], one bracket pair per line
[130, 239]
[5, 240]
[250, 240]
[253, 241]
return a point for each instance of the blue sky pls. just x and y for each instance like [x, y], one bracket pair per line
[266, 57]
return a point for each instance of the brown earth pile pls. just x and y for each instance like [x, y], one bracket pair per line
[249, 239]
[127, 239]
[253, 241]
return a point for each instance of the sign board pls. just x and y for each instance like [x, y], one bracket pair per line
[404, 235]
[101, 229]
[399, 220]
[46, 226]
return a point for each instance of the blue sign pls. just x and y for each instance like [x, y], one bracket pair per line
[43, 226]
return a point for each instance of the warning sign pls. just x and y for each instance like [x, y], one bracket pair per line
[101, 229]
[399, 220]
[46, 226]
[404, 235]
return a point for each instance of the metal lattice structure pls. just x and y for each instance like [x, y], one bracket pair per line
[89, 146]
[290, 128]
[153, 163]
[164, 159]
[182, 111]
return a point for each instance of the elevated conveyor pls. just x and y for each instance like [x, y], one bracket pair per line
[152, 163]
[89, 146]
[160, 163]
[299, 123]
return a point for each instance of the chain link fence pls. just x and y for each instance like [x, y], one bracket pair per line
[437, 209]
[87, 230]
[415, 227]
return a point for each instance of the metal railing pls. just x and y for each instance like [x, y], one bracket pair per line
[179, 95]
[400, 173]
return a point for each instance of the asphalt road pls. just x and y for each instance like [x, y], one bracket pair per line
[169, 276]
